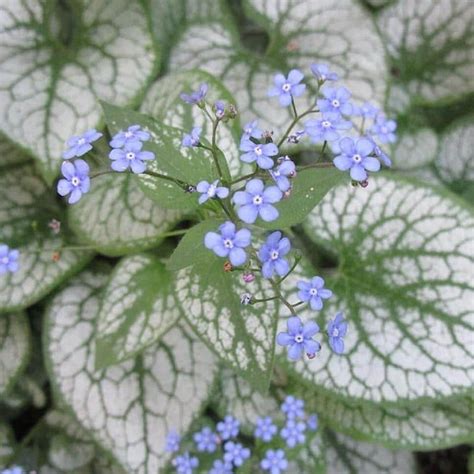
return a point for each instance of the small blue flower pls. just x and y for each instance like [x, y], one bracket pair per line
[256, 201]
[293, 407]
[130, 156]
[221, 467]
[293, 433]
[299, 338]
[79, 145]
[13, 470]
[271, 254]
[8, 259]
[335, 101]
[366, 110]
[219, 108]
[173, 441]
[260, 153]
[228, 428]
[192, 139]
[211, 190]
[265, 429]
[134, 133]
[195, 97]
[229, 243]
[337, 329]
[274, 461]
[185, 464]
[381, 155]
[314, 292]
[286, 88]
[76, 182]
[322, 73]
[251, 130]
[286, 169]
[326, 128]
[206, 440]
[296, 137]
[355, 156]
[235, 453]
[312, 422]
[384, 129]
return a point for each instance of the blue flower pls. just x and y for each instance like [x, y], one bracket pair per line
[134, 133]
[8, 259]
[366, 110]
[228, 428]
[381, 155]
[384, 129]
[296, 137]
[13, 470]
[130, 156]
[322, 73]
[286, 169]
[257, 201]
[197, 96]
[312, 422]
[206, 440]
[219, 108]
[299, 338]
[260, 153]
[209, 191]
[293, 433]
[79, 145]
[229, 243]
[251, 130]
[336, 101]
[193, 138]
[314, 292]
[271, 254]
[274, 461]
[337, 329]
[221, 467]
[326, 128]
[355, 156]
[235, 453]
[185, 464]
[265, 429]
[173, 441]
[286, 88]
[293, 407]
[76, 182]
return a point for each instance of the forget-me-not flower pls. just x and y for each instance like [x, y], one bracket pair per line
[235, 453]
[355, 157]
[322, 73]
[228, 428]
[211, 190]
[293, 433]
[206, 440]
[251, 130]
[274, 461]
[219, 108]
[271, 255]
[261, 153]
[76, 181]
[281, 174]
[79, 145]
[326, 128]
[286, 88]
[134, 133]
[299, 338]
[366, 110]
[130, 156]
[192, 139]
[185, 464]
[335, 101]
[173, 442]
[221, 467]
[229, 243]
[195, 97]
[313, 292]
[384, 129]
[8, 259]
[337, 329]
[293, 407]
[265, 429]
[312, 422]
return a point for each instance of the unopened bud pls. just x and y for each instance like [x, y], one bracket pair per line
[248, 277]
[55, 226]
[56, 256]
[364, 184]
[190, 188]
[267, 136]
[311, 356]
[287, 194]
[232, 111]
[228, 266]
[292, 46]
[246, 299]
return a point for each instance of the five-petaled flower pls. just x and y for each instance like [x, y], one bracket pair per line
[261, 153]
[274, 461]
[271, 255]
[206, 440]
[256, 201]
[173, 441]
[235, 453]
[265, 429]
[366, 110]
[384, 129]
[286, 169]
[185, 464]
[293, 433]
[130, 156]
[299, 338]
[80, 144]
[355, 157]
[326, 128]
[196, 97]
[228, 428]
[337, 329]
[312, 422]
[211, 190]
[293, 407]
[251, 130]
[221, 467]
[335, 101]
[134, 133]
[229, 243]
[8, 259]
[313, 292]
[76, 181]
[287, 88]
[322, 73]
[192, 139]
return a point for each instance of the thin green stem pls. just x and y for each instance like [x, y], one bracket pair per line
[293, 107]
[277, 290]
[263, 300]
[290, 271]
[167, 178]
[293, 123]
[315, 165]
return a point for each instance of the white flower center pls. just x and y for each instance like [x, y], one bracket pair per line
[257, 200]
[299, 338]
[81, 141]
[357, 158]
[258, 150]
[335, 332]
[335, 103]
[326, 123]
[384, 130]
[211, 192]
[274, 254]
[130, 155]
[128, 134]
[276, 173]
[228, 244]
[313, 292]
[75, 181]
[286, 87]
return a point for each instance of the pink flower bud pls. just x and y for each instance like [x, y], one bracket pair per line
[248, 277]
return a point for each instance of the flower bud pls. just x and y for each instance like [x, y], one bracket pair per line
[56, 256]
[248, 277]
[227, 266]
[190, 188]
[246, 299]
[311, 356]
[55, 226]
[287, 194]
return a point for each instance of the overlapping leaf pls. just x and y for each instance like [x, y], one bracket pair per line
[128, 408]
[57, 60]
[6, 442]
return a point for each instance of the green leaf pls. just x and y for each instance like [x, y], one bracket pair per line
[309, 187]
[138, 307]
[117, 218]
[242, 336]
[11, 154]
[7, 442]
[190, 165]
[190, 250]
[26, 208]
[14, 349]
[128, 408]
[429, 45]
[404, 282]
[57, 60]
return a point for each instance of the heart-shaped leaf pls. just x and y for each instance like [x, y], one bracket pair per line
[57, 60]
[11, 154]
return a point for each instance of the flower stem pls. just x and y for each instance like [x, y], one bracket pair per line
[293, 123]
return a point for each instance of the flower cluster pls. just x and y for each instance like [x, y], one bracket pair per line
[274, 439]
[8, 259]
